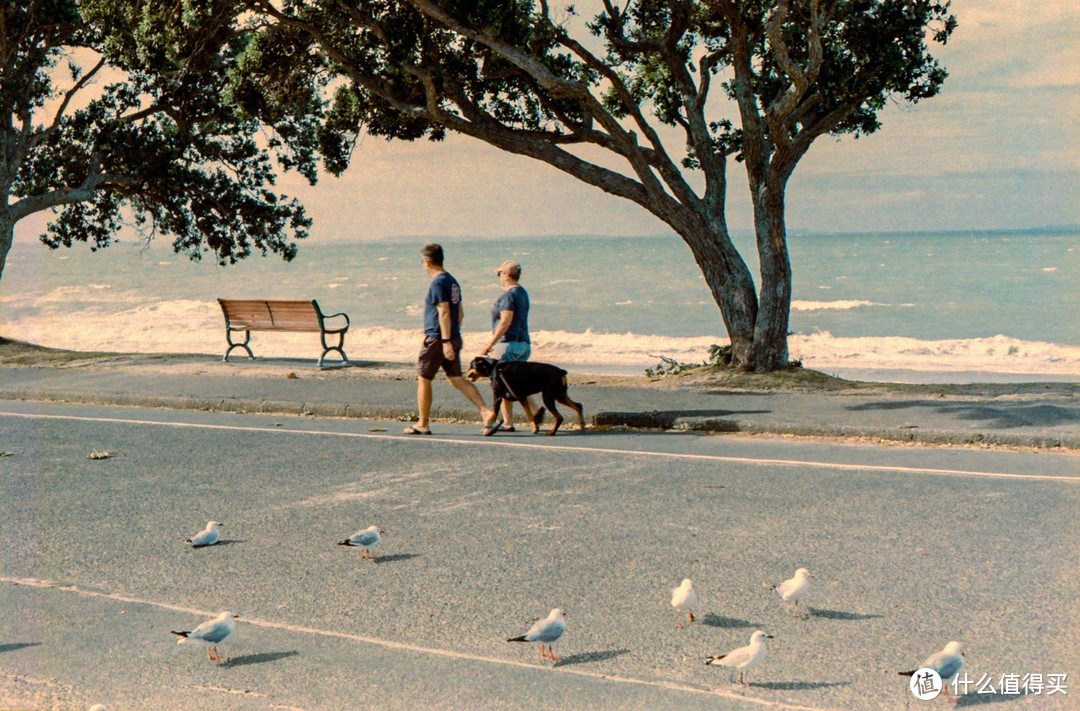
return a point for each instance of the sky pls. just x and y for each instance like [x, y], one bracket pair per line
[998, 148]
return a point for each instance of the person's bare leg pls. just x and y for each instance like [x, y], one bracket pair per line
[469, 391]
[423, 403]
[507, 411]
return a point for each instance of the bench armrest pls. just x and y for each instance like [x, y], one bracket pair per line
[343, 315]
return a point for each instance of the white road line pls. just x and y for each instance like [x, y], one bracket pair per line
[488, 442]
[403, 646]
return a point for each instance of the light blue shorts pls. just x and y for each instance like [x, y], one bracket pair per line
[512, 350]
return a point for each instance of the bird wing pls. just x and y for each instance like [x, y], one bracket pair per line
[204, 538]
[736, 657]
[212, 631]
[546, 631]
[946, 665]
[364, 538]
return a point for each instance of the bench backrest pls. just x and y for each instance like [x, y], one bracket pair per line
[271, 314]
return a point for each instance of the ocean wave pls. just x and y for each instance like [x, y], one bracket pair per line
[998, 354]
[842, 305]
[190, 326]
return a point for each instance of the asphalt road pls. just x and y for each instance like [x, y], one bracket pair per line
[910, 548]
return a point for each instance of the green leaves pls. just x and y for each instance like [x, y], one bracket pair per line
[167, 146]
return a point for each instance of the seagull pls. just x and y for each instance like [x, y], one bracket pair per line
[545, 631]
[743, 658]
[363, 539]
[211, 633]
[794, 588]
[947, 663]
[206, 537]
[683, 599]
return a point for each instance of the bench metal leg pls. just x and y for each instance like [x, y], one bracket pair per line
[244, 345]
[339, 348]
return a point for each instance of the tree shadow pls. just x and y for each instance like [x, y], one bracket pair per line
[977, 699]
[729, 623]
[839, 614]
[13, 646]
[246, 659]
[586, 657]
[796, 685]
[999, 415]
[394, 558]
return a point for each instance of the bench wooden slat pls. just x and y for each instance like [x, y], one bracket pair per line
[279, 315]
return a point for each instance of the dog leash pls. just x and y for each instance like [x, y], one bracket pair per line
[502, 379]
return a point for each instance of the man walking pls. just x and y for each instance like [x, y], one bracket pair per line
[443, 313]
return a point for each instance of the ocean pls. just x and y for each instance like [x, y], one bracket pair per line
[925, 307]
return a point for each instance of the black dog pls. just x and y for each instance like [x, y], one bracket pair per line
[517, 379]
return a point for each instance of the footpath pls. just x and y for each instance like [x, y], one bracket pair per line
[1026, 415]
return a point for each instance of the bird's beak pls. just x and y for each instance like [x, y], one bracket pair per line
[769, 636]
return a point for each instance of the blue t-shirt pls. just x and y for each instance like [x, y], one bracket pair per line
[514, 299]
[444, 288]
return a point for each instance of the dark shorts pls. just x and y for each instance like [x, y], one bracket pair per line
[432, 359]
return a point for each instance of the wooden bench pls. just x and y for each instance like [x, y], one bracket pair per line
[249, 315]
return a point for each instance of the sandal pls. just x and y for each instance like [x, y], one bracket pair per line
[493, 427]
[410, 430]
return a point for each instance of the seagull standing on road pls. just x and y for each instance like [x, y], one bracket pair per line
[684, 598]
[545, 631]
[794, 588]
[363, 539]
[743, 658]
[206, 537]
[947, 663]
[210, 633]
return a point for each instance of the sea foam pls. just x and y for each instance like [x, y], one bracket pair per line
[191, 326]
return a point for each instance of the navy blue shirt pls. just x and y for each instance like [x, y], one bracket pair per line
[514, 299]
[444, 288]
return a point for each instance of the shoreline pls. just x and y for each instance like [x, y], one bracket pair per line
[18, 353]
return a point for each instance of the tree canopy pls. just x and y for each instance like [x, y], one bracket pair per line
[513, 74]
[113, 112]
[755, 81]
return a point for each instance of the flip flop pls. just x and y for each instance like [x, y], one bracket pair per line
[511, 428]
[493, 427]
[410, 430]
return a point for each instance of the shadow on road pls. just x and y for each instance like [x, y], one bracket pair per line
[998, 416]
[840, 614]
[980, 699]
[395, 557]
[729, 623]
[13, 646]
[585, 657]
[246, 659]
[796, 685]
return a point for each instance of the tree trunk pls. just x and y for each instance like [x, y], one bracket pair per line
[770, 350]
[7, 235]
[732, 288]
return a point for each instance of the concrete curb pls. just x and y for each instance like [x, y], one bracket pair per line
[654, 420]
[670, 421]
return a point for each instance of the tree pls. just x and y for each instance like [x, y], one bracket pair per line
[161, 139]
[509, 73]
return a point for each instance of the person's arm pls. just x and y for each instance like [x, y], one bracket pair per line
[505, 319]
[445, 328]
